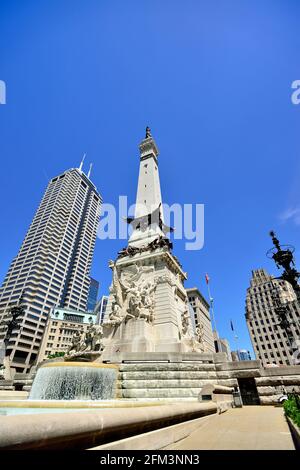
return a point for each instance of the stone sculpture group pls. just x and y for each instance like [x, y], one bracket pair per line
[132, 296]
[189, 336]
[131, 299]
[86, 341]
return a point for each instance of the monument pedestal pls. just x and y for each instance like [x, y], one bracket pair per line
[134, 335]
[147, 308]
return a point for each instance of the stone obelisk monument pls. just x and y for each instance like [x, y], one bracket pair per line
[148, 308]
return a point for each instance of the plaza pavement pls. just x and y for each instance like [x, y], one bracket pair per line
[247, 428]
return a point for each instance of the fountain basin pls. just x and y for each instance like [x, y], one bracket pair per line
[75, 381]
[85, 429]
[32, 407]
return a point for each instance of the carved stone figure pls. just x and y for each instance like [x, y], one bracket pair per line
[115, 316]
[116, 288]
[133, 297]
[97, 335]
[186, 326]
[184, 322]
[76, 344]
[200, 332]
[90, 341]
[147, 297]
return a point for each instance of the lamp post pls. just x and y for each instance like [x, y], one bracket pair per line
[15, 315]
[281, 311]
[284, 258]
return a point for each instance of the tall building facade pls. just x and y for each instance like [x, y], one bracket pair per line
[200, 308]
[222, 345]
[52, 267]
[269, 340]
[241, 355]
[244, 355]
[100, 309]
[93, 295]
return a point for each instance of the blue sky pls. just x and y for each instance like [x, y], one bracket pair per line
[213, 81]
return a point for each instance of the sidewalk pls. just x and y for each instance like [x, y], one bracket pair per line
[247, 428]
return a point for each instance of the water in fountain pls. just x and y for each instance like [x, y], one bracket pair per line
[72, 382]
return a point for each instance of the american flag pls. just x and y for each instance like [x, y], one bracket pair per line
[207, 278]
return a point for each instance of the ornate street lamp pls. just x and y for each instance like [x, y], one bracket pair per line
[283, 257]
[12, 323]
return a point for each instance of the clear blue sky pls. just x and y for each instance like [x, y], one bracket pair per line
[213, 81]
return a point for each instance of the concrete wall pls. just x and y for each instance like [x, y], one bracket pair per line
[271, 382]
[275, 381]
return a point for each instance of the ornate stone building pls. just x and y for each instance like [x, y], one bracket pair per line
[62, 325]
[270, 342]
[202, 317]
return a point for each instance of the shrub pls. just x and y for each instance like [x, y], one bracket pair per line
[292, 408]
[57, 354]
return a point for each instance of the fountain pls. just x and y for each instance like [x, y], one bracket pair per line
[74, 381]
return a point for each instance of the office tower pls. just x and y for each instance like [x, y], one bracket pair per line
[270, 342]
[93, 294]
[201, 317]
[241, 355]
[244, 355]
[52, 267]
[100, 308]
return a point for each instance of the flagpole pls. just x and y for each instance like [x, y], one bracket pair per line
[237, 347]
[235, 336]
[212, 312]
[212, 308]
